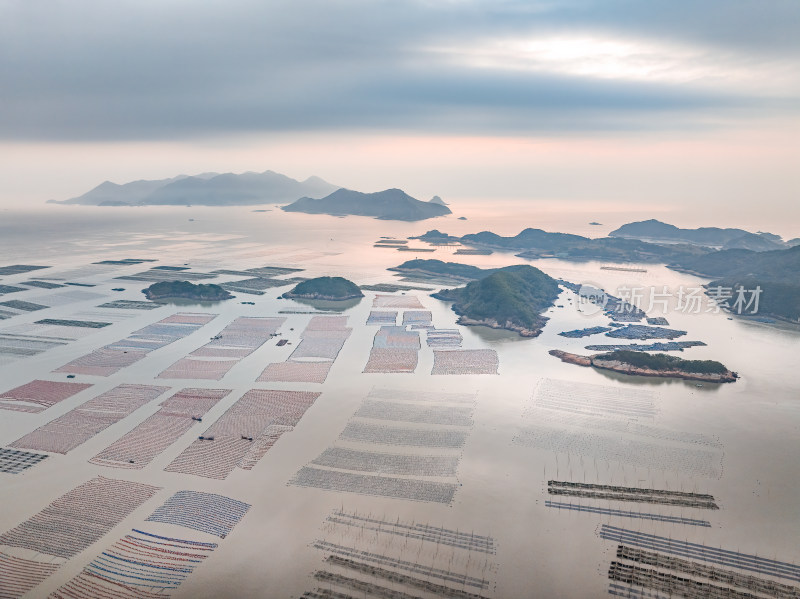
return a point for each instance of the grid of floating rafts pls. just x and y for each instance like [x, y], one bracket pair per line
[64, 330]
[72, 275]
[13, 307]
[394, 349]
[64, 528]
[15, 346]
[401, 444]
[620, 513]
[632, 494]
[17, 269]
[260, 278]
[382, 317]
[443, 338]
[648, 564]
[236, 341]
[126, 261]
[716, 583]
[601, 422]
[14, 461]
[19, 575]
[141, 565]
[150, 566]
[6, 289]
[257, 285]
[112, 358]
[130, 305]
[403, 302]
[82, 423]
[88, 324]
[417, 317]
[25, 340]
[160, 274]
[96, 314]
[465, 361]
[42, 284]
[176, 415]
[206, 512]
[368, 556]
[244, 433]
[296, 372]
[38, 395]
[323, 338]
[310, 362]
[63, 298]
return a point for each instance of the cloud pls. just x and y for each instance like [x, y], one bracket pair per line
[92, 70]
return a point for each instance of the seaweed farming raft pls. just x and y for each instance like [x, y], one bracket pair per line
[465, 361]
[705, 581]
[244, 433]
[206, 512]
[81, 424]
[175, 416]
[38, 395]
[635, 494]
[66, 527]
[702, 553]
[13, 461]
[604, 511]
[394, 349]
[392, 559]
[112, 358]
[143, 565]
[407, 423]
[236, 341]
[321, 342]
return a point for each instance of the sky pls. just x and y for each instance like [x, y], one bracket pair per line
[674, 103]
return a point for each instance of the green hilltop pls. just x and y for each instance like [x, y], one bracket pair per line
[327, 288]
[185, 289]
[511, 298]
[663, 362]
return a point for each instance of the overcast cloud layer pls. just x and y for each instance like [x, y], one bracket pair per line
[148, 70]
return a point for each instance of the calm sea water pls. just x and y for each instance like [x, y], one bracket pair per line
[542, 551]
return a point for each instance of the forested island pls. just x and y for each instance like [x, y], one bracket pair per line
[511, 298]
[205, 189]
[775, 271]
[390, 204]
[646, 364]
[184, 289]
[655, 231]
[453, 270]
[325, 288]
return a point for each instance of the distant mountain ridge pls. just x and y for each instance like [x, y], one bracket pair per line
[207, 189]
[654, 230]
[389, 204]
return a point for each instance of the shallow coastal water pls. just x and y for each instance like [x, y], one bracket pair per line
[541, 551]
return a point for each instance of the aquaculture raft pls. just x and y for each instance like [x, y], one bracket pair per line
[206, 512]
[112, 358]
[244, 433]
[84, 422]
[176, 415]
[39, 395]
